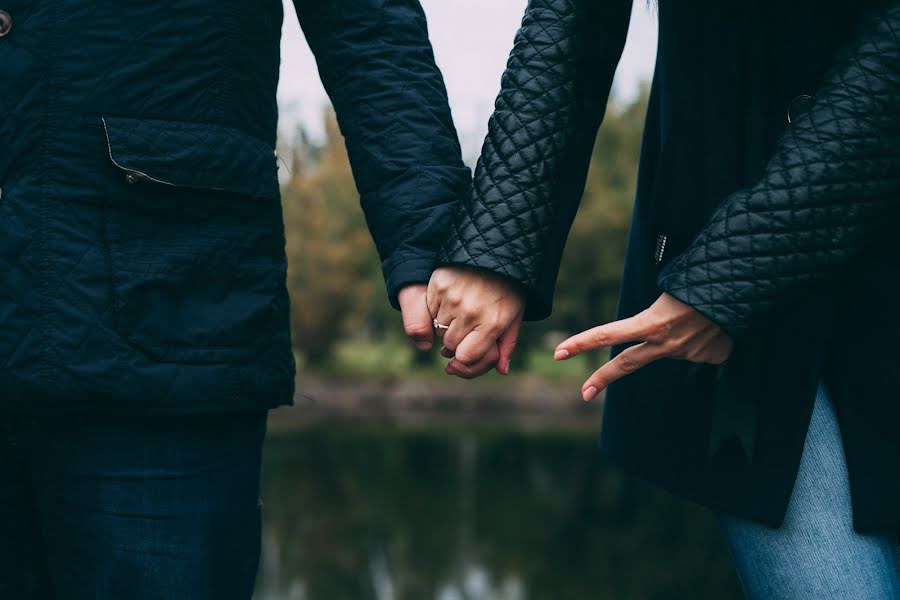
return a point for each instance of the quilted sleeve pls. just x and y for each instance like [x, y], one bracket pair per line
[831, 188]
[528, 183]
[377, 65]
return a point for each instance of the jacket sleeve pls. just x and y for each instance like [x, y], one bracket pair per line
[831, 188]
[528, 184]
[378, 68]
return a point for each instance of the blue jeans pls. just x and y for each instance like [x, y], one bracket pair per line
[130, 507]
[815, 554]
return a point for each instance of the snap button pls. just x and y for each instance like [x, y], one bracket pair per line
[797, 106]
[5, 23]
[661, 241]
[131, 178]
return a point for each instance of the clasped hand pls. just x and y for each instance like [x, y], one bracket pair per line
[483, 313]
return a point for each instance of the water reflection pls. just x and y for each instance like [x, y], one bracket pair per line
[353, 512]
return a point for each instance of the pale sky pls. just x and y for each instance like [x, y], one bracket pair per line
[472, 40]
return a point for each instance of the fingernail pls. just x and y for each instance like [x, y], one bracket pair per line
[561, 354]
[589, 394]
[423, 346]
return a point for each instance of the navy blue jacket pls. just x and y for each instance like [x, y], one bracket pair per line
[142, 253]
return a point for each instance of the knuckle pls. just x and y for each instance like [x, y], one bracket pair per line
[658, 327]
[718, 358]
[674, 347]
[417, 329]
[441, 280]
[694, 356]
[465, 358]
[493, 326]
[470, 307]
[629, 364]
[600, 338]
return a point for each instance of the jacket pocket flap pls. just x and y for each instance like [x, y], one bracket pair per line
[193, 155]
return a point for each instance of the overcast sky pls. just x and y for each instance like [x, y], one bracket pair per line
[472, 39]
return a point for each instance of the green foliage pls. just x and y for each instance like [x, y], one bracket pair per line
[334, 273]
[588, 285]
[332, 265]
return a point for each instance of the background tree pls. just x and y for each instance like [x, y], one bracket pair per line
[331, 258]
[588, 285]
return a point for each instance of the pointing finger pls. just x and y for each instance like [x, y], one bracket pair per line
[633, 329]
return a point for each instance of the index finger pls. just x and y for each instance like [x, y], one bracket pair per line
[632, 329]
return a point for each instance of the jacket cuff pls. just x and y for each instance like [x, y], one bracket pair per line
[701, 298]
[401, 272]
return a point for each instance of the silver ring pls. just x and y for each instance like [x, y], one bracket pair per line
[437, 325]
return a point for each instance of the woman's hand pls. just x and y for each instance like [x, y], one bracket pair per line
[483, 312]
[668, 329]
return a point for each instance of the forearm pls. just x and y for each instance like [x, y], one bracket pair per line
[377, 65]
[832, 188]
[530, 178]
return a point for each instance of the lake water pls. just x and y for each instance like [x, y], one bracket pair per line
[364, 512]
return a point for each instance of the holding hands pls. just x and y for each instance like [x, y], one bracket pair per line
[479, 314]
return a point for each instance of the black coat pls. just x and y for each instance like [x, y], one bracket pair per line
[779, 232]
[142, 262]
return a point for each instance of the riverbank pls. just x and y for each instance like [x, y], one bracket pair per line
[524, 403]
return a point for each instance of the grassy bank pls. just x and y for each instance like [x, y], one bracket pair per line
[392, 360]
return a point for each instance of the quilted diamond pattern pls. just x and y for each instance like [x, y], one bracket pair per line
[529, 179]
[832, 186]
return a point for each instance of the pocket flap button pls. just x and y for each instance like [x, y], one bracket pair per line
[5, 23]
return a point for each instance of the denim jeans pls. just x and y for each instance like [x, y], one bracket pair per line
[130, 507]
[815, 554]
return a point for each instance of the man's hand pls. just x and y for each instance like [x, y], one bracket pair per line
[484, 313]
[416, 318]
[668, 329]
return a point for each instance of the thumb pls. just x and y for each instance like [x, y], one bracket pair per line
[416, 318]
[506, 344]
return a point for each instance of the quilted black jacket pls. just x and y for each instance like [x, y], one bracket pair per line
[142, 263]
[776, 231]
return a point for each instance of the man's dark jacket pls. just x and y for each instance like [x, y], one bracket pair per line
[780, 232]
[142, 263]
